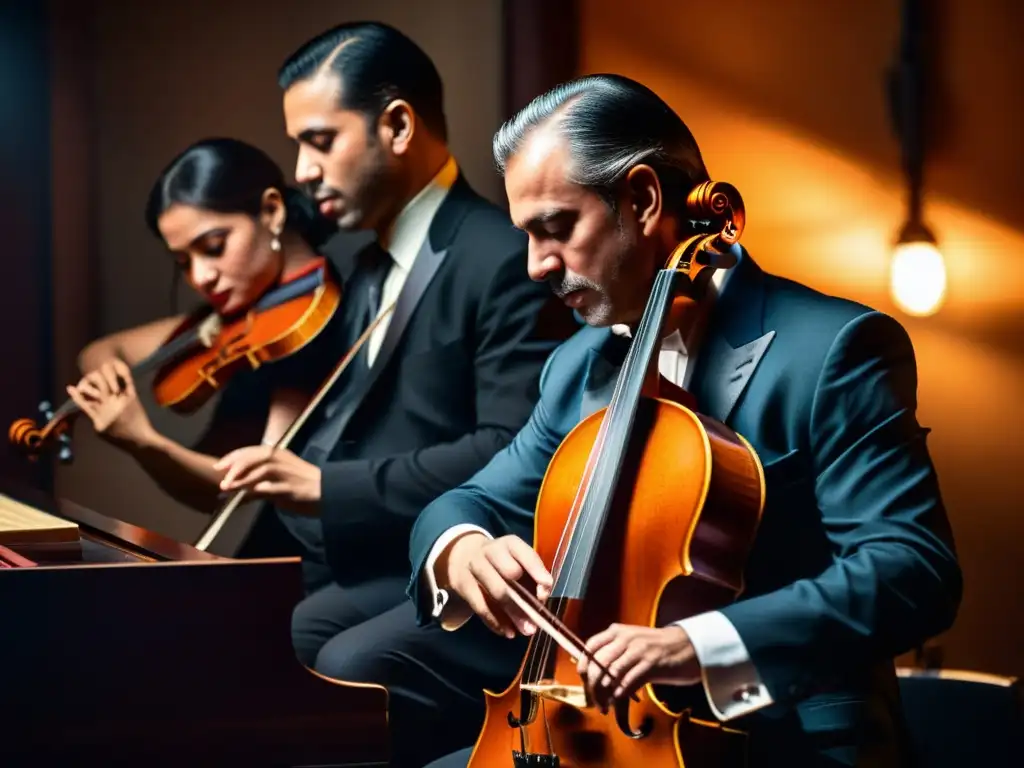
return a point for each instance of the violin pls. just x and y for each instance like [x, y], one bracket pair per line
[646, 515]
[206, 350]
[224, 513]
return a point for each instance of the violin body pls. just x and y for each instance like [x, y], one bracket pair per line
[244, 343]
[206, 350]
[674, 546]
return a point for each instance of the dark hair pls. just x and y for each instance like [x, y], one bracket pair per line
[375, 64]
[230, 176]
[610, 124]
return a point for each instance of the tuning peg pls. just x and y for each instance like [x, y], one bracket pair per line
[65, 455]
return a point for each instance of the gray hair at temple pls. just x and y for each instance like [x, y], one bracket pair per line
[611, 124]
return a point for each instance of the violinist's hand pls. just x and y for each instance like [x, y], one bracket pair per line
[637, 656]
[107, 396]
[478, 569]
[275, 474]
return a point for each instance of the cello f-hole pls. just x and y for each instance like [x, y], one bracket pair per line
[622, 719]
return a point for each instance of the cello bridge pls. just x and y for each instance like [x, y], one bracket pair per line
[528, 760]
[571, 695]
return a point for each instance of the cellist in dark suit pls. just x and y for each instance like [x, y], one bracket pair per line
[854, 562]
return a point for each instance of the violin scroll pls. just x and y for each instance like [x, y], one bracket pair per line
[31, 439]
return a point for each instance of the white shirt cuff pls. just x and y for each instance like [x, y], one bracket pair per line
[448, 609]
[730, 679]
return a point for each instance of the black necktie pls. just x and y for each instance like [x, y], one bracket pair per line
[373, 265]
[360, 304]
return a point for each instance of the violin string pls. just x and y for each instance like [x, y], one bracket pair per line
[585, 518]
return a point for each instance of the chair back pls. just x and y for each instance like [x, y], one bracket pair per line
[962, 719]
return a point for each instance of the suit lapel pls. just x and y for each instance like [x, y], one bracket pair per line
[423, 270]
[727, 371]
[428, 260]
[735, 344]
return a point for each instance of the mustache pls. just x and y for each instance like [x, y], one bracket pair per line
[319, 192]
[565, 283]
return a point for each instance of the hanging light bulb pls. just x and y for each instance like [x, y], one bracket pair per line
[917, 272]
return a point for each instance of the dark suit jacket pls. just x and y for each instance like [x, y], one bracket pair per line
[456, 377]
[854, 562]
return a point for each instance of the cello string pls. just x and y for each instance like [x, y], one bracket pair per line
[586, 519]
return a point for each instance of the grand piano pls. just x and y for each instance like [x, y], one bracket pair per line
[145, 651]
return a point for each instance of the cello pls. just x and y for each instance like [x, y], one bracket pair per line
[206, 350]
[646, 515]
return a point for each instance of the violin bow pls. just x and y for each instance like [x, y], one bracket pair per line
[224, 514]
[539, 614]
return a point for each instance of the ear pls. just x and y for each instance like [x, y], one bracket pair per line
[397, 125]
[273, 212]
[643, 195]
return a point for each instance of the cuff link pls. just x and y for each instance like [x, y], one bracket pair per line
[745, 694]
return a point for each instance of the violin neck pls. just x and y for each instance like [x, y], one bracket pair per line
[611, 447]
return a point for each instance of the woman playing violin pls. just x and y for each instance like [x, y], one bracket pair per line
[235, 231]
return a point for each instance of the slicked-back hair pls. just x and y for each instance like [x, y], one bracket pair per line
[375, 64]
[610, 124]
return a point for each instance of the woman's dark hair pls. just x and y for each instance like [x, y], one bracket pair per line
[230, 176]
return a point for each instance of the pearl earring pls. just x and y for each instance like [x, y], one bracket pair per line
[275, 244]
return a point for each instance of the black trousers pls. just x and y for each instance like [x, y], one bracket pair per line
[367, 633]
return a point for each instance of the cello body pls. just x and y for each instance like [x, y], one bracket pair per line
[698, 493]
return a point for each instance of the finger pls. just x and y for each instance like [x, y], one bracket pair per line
[503, 562]
[634, 676]
[236, 460]
[248, 476]
[249, 454]
[87, 407]
[486, 609]
[533, 565]
[269, 488]
[241, 469]
[496, 590]
[228, 459]
[604, 637]
[110, 377]
[614, 656]
[606, 654]
[98, 382]
[124, 376]
[591, 679]
[89, 388]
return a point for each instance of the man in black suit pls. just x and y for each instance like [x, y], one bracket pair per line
[441, 385]
[854, 562]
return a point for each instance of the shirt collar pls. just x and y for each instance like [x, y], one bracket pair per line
[674, 341]
[409, 230]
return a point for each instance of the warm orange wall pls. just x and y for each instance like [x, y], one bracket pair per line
[786, 101]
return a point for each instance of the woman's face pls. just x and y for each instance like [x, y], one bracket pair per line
[226, 257]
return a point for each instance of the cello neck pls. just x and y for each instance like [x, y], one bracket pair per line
[604, 466]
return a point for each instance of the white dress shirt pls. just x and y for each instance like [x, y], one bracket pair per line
[403, 241]
[730, 679]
